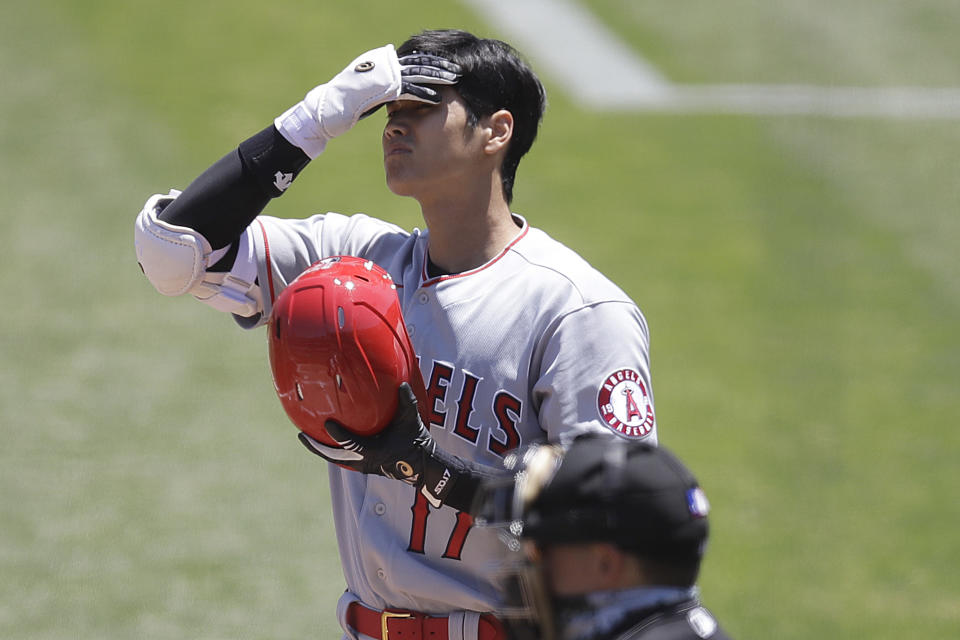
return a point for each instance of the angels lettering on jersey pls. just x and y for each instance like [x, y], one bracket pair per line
[623, 405]
[507, 409]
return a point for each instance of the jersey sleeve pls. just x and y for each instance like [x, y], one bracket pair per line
[284, 248]
[594, 374]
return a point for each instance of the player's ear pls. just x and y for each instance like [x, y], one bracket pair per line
[499, 131]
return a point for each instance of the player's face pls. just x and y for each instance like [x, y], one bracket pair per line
[429, 151]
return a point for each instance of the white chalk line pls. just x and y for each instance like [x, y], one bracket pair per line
[601, 72]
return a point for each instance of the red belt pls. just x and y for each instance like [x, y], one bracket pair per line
[398, 624]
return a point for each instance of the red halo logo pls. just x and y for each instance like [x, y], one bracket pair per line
[624, 404]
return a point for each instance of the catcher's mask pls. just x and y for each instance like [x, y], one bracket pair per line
[339, 348]
[503, 503]
[599, 488]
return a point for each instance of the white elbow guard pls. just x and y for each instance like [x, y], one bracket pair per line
[237, 291]
[175, 260]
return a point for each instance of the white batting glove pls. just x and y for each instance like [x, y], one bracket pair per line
[370, 81]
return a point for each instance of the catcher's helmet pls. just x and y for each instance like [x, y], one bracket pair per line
[595, 489]
[339, 348]
[601, 489]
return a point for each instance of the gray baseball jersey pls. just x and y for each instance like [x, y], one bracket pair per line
[535, 344]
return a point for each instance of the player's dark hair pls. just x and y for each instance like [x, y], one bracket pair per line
[494, 77]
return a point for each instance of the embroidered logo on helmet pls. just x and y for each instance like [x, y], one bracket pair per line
[624, 404]
[697, 503]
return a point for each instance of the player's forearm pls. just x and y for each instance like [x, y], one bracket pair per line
[225, 198]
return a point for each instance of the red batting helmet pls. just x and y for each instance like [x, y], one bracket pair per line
[339, 348]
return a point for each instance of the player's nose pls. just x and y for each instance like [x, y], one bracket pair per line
[394, 128]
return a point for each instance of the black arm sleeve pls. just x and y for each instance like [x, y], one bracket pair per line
[225, 198]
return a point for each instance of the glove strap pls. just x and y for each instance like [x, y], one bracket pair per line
[301, 129]
[453, 481]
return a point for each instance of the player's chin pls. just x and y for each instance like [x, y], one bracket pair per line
[396, 188]
[399, 184]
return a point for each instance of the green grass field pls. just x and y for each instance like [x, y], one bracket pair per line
[800, 277]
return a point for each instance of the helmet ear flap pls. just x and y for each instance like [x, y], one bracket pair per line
[339, 348]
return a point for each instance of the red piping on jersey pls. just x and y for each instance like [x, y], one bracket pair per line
[266, 252]
[431, 282]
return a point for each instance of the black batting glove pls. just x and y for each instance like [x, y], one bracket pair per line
[403, 451]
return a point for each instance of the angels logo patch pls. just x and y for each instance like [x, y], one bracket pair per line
[624, 404]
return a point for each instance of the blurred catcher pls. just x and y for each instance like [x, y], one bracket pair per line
[606, 539]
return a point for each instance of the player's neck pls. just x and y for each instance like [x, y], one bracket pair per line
[466, 233]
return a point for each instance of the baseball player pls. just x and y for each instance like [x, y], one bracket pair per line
[518, 338]
[606, 540]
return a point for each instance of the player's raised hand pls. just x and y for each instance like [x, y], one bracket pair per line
[421, 70]
[368, 82]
